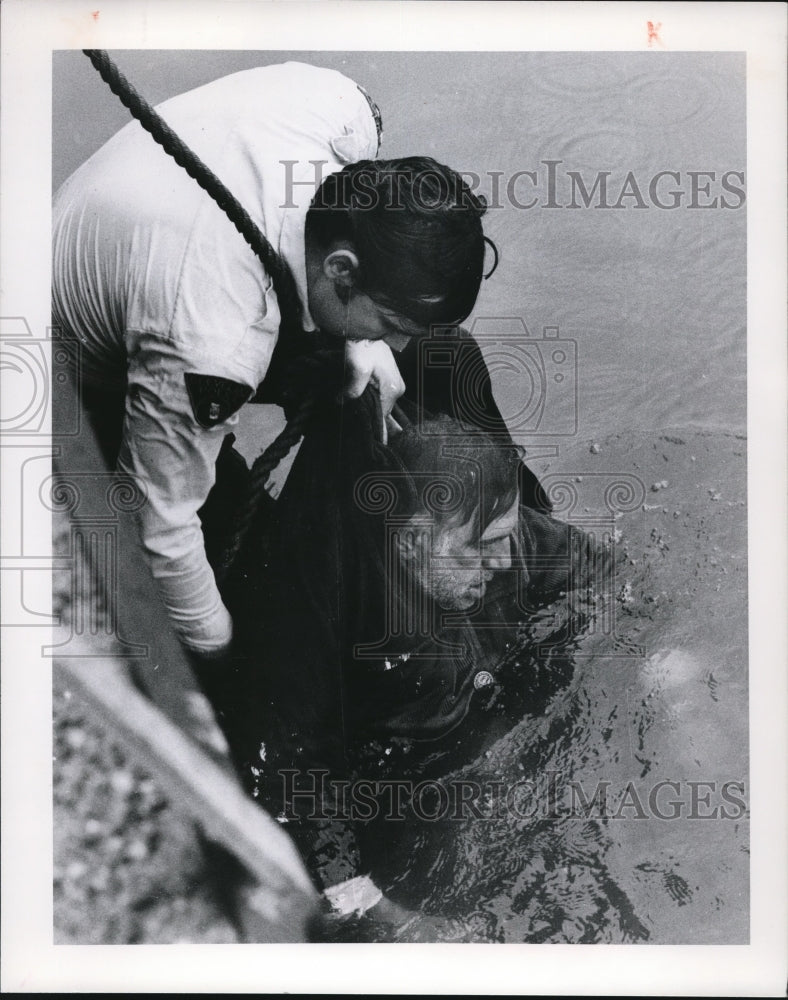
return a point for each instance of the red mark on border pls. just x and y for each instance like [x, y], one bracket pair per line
[95, 15]
[653, 32]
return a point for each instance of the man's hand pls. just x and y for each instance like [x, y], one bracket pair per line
[391, 922]
[387, 921]
[372, 361]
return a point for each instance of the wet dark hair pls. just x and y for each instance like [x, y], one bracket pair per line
[451, 476]
[416, 228]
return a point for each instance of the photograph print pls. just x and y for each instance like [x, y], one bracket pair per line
[399, 497]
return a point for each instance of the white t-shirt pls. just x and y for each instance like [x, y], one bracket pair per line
[155, 282]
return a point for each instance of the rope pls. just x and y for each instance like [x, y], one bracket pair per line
[261, 470]
[275, 266]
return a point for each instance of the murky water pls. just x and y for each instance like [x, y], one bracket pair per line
[652, 301]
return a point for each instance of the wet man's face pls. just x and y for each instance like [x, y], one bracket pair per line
[455, 565]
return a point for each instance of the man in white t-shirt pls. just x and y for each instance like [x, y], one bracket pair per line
[177, 318]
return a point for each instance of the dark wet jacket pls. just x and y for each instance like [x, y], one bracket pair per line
[322, 685]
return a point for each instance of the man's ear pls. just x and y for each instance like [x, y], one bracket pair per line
[341, 266]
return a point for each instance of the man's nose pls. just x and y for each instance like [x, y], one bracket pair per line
[499, 556]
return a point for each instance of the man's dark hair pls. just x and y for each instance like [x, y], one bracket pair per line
[416, 227]
[450, 476]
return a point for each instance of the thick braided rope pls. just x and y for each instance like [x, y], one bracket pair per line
[276, 267]
[261, 470]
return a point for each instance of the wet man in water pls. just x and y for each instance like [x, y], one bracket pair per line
[373, 626]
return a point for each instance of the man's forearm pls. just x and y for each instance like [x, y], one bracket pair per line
[175, 460]
[188, 590]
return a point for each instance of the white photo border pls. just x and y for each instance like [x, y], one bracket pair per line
[31, 31]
